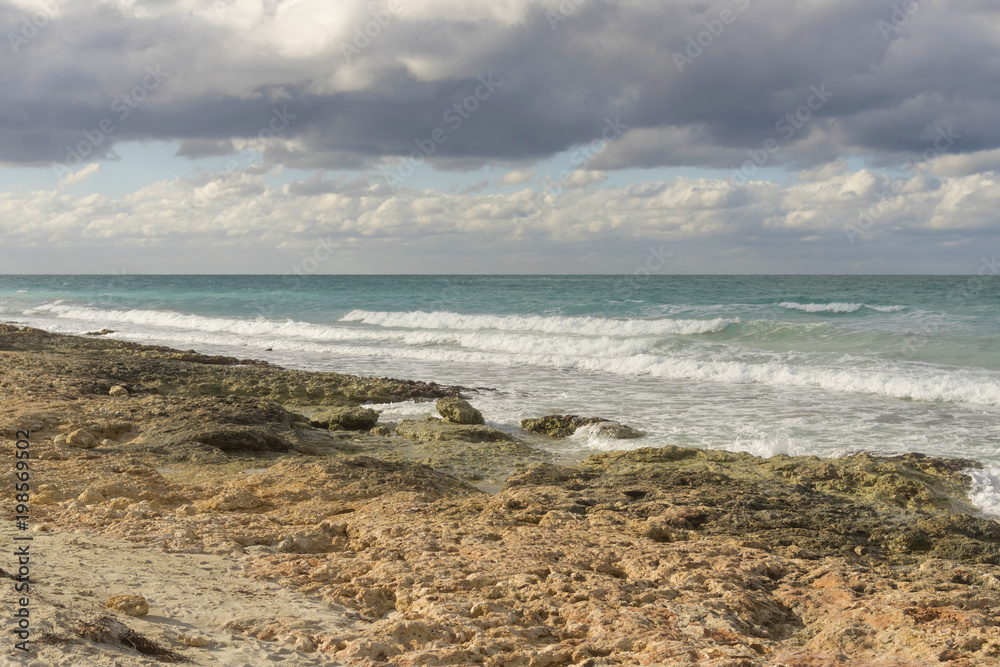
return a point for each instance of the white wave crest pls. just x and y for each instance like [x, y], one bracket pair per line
[985, 491]
[304, 335]
[910, 383]
[546, 342]
[588, 326]
[837, 307]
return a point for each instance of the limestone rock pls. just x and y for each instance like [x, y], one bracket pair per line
[654, 556]
[384, 430]
[198, 641]
[43, 498]
[558, 426]
[232, 499]
[81, 438]
[203, 428]
[118, 390]
[428, 430]
[561, 426]
[615, 430]
[132, 605]
[186, 510]
[90, 496]
[458, 411]
[350, 418]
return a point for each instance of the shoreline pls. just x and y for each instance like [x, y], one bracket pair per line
[650, 556]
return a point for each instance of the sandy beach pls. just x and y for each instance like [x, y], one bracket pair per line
[265, 516]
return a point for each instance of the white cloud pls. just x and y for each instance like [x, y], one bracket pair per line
[79, 176]
[581, 178]
[800, 223]
[963, 165]
[517, 177]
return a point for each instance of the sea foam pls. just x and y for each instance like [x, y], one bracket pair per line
[837, 307]
[985, 491]
[553, 324]
[587, 344]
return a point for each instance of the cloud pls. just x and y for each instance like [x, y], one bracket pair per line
[581, 178]
[79, 176]
[197, 148]
[920, 223]
[517, 177]
[962, 165]
[232, 64]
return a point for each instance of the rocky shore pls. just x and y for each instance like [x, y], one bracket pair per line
[217, 511]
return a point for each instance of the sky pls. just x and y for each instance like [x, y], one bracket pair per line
[500, 136]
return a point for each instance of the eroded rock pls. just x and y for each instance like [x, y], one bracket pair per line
[458, 411]
[350, 418]
[561, 426]
[81, 438]
[131, 605]
[435, 429]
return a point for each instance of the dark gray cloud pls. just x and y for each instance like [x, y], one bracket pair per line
[553, 80]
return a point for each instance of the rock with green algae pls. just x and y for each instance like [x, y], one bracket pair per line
[558, 426]
[97, 365]
[351, 418]
[437, 429]
[913, 480]
[458, 411]
[561, 426]
[897, 509]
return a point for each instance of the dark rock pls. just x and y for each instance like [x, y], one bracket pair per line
[352, 419]
[558, 426]
[616, 431]
[561, 426]
[873, 509]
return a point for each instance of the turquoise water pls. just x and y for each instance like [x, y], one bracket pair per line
[798, 364]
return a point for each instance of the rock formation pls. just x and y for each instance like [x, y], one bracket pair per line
[561, 426]
[365, 549]
[458, 411]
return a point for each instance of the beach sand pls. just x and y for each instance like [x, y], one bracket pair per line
[191, 598]
[204, 485]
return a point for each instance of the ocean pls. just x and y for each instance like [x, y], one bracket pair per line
[821, 365]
